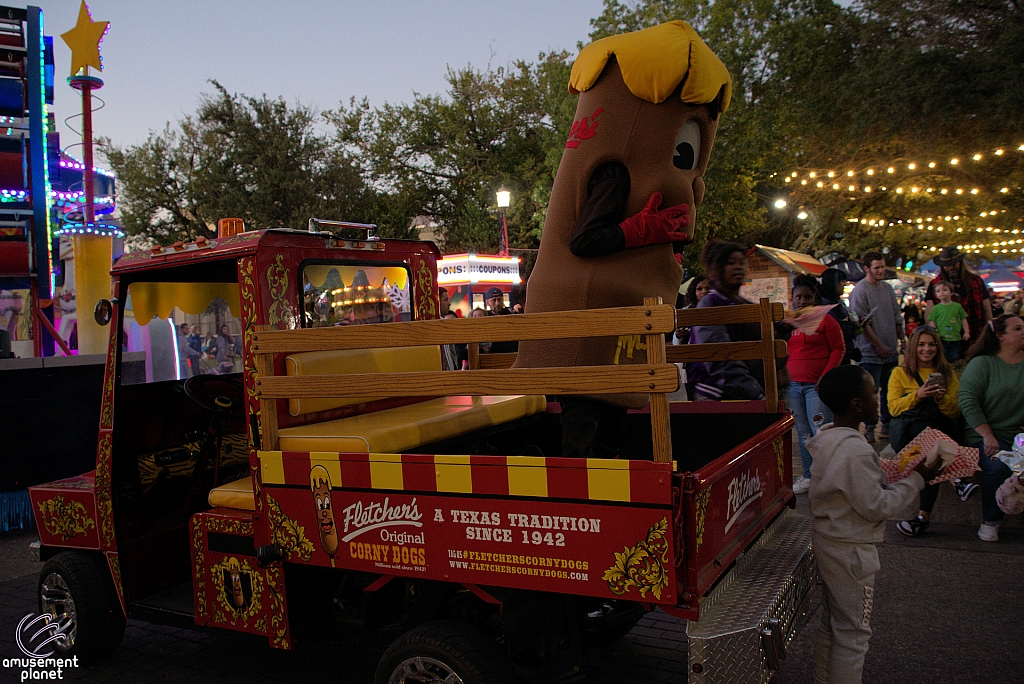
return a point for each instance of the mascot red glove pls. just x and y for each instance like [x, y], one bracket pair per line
[654, 226]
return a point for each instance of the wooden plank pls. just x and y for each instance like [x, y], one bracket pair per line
[268, 407]
[633, 320]
[721, 351]
[639, 378]
[487, 361]
[771, 381]
[474, 355]
[661, 430]
[724, 315]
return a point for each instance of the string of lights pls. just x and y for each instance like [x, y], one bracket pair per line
[7, 195]
[1006, 245]
[72, 163]
[98, 229]
[899, 189]
[893, 167]
[841, 181]
[935, 224]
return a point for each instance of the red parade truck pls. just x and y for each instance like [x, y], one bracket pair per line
[300, 468]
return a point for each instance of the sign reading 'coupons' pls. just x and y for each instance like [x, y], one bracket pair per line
[464, 269]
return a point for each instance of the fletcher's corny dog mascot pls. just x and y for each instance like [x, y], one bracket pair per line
[623, 202]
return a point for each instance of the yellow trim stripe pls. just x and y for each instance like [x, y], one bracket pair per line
[272, 467]
[386, 471]
[527, 476]
[453, 473]
[608, 479]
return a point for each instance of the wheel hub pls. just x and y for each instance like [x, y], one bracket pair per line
[56, 599]
[421, 670]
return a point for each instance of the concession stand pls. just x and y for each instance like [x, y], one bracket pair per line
[771, 271]
[467, 277]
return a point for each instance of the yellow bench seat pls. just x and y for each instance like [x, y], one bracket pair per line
[391, 431]
[399, 430]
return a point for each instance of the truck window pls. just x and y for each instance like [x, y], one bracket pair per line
[174, 330]
[354, 294]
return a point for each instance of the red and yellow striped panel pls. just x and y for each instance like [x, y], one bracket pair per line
[594, 479]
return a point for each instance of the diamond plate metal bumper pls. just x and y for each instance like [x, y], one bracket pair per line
[749, 619]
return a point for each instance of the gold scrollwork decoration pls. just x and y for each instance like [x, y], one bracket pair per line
[200, 569]
[247, 270]
[288, 534]
[65, 518]
[107, 414]
[425, 308]
[229, 525]
[641, 566]
[703, 498]
[115, 571]
[278, 620]
[779, 446]
[281, 310]
[104, 506]
[239, 606]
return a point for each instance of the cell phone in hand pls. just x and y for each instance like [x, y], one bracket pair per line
[935, 380]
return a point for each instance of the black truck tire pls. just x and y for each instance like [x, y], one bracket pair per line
[77, 589]
[436, 650]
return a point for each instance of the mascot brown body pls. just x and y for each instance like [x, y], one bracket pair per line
[623, 202]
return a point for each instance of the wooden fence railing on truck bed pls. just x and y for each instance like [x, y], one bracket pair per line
[657, 378]
[767, 349]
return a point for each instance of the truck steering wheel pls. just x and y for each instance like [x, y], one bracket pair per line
[201, 389]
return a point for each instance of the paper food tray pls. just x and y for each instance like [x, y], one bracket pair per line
[964, 464]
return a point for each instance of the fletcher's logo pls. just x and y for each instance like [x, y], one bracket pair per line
[743, 491]
[362, 518]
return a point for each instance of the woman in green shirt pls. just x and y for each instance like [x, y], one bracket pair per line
[992, 402]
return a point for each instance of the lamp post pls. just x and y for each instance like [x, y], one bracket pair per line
[504, 198]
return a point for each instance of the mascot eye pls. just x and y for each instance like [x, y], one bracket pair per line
[687, 146]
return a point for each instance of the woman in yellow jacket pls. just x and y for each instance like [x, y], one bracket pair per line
[923, 393]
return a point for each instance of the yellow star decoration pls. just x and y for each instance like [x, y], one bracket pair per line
[84, 41]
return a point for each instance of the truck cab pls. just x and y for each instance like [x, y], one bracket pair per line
[305, 471]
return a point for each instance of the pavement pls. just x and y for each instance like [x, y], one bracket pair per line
[947, 609]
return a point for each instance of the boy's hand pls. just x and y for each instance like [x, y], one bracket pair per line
[929, 473]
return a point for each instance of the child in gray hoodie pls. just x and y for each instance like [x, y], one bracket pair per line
[850, 504]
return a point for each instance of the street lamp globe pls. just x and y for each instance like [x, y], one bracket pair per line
[504, 197]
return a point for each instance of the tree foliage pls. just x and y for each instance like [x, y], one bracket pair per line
[818, 87]
[444, 156]
[257, 159]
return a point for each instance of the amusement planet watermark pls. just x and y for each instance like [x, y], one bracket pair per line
[35, 636]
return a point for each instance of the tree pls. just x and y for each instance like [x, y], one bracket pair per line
[253, 158]
[444, 156]
[911, 87]
[821, 88]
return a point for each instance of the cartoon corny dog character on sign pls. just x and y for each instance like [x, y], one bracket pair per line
[320, 485]
[623, 202]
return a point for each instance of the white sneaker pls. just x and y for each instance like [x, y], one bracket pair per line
[989, 533]
[801, 486]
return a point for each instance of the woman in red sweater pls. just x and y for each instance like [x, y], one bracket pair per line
[810, 357]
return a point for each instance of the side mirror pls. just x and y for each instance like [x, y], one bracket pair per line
[103, 312]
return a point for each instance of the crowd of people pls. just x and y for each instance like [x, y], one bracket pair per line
[858, 378]
[210, 355]
[960, 372]
[456, 356]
